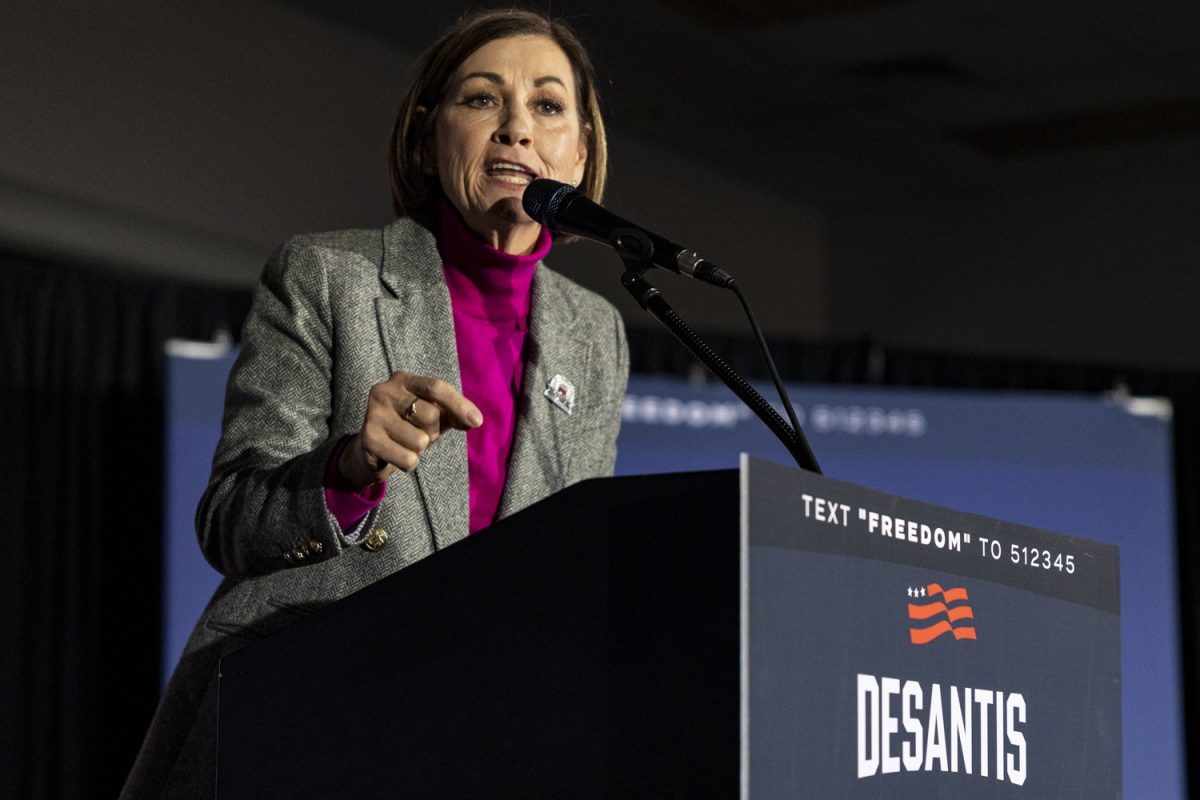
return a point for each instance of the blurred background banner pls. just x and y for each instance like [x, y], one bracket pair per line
[1097, 466]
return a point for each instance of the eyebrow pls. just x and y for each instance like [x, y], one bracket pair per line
[495, 78]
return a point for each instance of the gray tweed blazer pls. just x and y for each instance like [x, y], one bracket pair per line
[333, 315]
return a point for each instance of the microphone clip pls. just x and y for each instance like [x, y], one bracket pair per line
[634, 247]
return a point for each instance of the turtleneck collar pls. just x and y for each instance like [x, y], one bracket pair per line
[484, 282]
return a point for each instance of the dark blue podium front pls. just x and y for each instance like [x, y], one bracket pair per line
[754, 633]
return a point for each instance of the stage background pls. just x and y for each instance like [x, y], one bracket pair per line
[1094, 466]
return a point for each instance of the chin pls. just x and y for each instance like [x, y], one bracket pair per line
[509, 210]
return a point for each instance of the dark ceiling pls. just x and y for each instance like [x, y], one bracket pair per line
[859, 104]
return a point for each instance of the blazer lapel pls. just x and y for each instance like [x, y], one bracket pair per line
[538, 463]
[417, 328]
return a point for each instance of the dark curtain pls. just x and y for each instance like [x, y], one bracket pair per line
[81, 374]
[81, 389]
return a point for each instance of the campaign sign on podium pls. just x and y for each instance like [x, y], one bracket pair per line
[767, 633]
[897, 649]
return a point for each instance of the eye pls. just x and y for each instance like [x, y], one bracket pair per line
[549, 106]
[479, 100]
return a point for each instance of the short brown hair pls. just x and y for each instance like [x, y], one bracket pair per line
[412, 189]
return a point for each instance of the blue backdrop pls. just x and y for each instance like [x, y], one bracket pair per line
[1088, 466]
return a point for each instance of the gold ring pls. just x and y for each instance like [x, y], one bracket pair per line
[412, 411]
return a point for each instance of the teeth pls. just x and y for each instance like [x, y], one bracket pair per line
[510, 173]
[504, 165]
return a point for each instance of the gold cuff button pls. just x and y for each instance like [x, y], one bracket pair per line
[316, 547]
[376, 539]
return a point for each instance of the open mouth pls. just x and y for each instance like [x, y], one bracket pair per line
[510, 172]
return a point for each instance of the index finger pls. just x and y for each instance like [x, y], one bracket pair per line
[463, 413]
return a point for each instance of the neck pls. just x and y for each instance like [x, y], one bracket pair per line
[505, 228]
[485, 280]
[515, 239]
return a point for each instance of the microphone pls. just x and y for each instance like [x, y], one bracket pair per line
[563, 209]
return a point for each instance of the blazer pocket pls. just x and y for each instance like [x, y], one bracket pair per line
[235, 630]
[295, 610]
[278, 615]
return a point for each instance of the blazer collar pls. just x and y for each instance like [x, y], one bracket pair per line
[411, 261]
[417, 329]
[538, 464]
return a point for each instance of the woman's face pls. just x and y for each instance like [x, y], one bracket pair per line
[509, 116]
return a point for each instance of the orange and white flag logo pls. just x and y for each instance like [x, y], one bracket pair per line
[939, 611]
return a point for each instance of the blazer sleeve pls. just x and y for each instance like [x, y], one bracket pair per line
[264, 508]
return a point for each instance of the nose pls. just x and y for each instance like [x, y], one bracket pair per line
[516, 127]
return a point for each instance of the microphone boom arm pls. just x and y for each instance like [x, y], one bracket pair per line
[562, 208]
[651, 299]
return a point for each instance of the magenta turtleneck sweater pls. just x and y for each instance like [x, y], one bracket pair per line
[490, 293]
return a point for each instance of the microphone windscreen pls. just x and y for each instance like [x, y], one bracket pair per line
[543, 197]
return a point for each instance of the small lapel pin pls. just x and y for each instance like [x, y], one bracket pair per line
[561, 392]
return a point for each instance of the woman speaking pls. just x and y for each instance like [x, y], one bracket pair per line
[399, 389]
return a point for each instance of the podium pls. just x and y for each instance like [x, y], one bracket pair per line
[760, 632]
